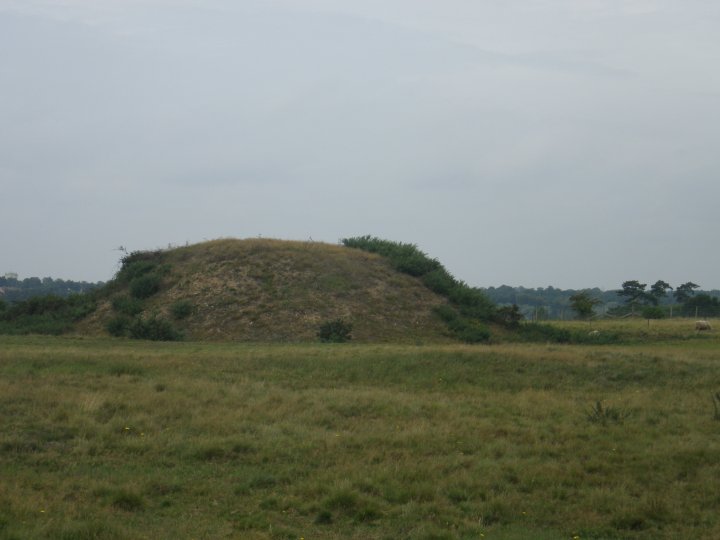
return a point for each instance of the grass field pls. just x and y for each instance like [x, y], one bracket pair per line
[124, 440]
[641, 330]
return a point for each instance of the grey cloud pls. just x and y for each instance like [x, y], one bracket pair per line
[519, 146]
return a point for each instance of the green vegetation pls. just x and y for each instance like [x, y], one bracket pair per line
[336, 331]
[126, 439]
[51, 314]
[127, 305]
[465, 329]
[545, 303]
[181, 309]
[604, 415]
[264, 290]
[583, 304]
[118, 326]
[46, 314]
[653, 312]
[153, 328]
[406, 258]
[13, 289]
[684, 292]
[141, 275]
[509, 316]
[546, 333]
[138, 264]
[259, 290]
[702, 305]
[631, 331]
[145, 286]
[635, 294]
[471, 307]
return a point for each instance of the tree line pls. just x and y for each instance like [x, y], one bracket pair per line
[14, 290]
[632, 298]
[684, 297]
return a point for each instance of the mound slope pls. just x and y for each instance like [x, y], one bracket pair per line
[272, 290]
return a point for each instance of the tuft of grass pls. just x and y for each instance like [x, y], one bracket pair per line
[118, 370]
[324, 517]
[127, 500]
[716, 405]
[86, 530]
[605, 415]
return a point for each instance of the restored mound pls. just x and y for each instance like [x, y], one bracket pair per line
[265, 290]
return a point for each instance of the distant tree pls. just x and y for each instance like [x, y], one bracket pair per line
[658, 290]
[583, 304]
[684, 292]
[702, 305]
[653, 312]
[510, 316]
[635, 294]
[32, 282]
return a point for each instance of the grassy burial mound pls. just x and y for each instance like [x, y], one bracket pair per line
[265, 290]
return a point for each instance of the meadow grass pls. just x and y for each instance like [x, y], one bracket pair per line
[122, 440]
[639, 330]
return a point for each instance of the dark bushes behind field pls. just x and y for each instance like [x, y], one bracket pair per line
[45, 314]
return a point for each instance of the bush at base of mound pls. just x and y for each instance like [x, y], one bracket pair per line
[152, 328]
[337, 331]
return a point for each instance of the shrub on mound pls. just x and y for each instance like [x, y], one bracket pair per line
[337, 331]
[145, 286]
[153, 328]
[181, 309]
[463, 328]
[118, 326]
[127, 305]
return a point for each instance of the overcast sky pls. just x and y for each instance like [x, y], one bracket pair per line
[573, 143]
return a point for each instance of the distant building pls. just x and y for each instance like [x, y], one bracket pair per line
[11, 275]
